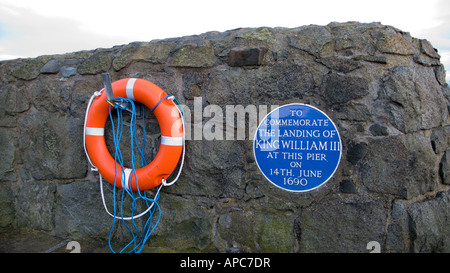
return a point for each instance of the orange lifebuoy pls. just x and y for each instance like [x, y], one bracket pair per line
[170, 123]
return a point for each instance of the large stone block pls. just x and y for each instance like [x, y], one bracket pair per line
[35, 206]
[214, 167]
[403, 165]
[8, 144]
[99, 62]
[186, 224]
[245, 56]
[78, 210]
[153, 52]
[429, 221]
[193, 55]
[29, 68]
[440, 139]
[414, 99]
[444, 168]
[248, 231]
[340, 226]
[52, 146]
[7, 211]
[310, 38]
[338, 88]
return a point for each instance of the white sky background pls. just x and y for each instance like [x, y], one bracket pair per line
[29, 28]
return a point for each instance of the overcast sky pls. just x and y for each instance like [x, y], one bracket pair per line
[29, 28]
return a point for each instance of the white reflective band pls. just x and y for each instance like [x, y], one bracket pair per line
[130, 86]
[172, 141]
[126, 179]
[94, 131]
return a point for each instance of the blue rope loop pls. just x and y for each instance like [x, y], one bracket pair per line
[165, 97]
[137, 244]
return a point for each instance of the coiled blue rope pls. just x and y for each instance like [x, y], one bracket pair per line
[152, 204]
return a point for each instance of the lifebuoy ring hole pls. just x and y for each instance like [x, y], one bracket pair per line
[152, 135]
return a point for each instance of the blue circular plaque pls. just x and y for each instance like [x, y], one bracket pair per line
[297, 147]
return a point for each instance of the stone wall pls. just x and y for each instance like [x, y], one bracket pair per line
[384, 89]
